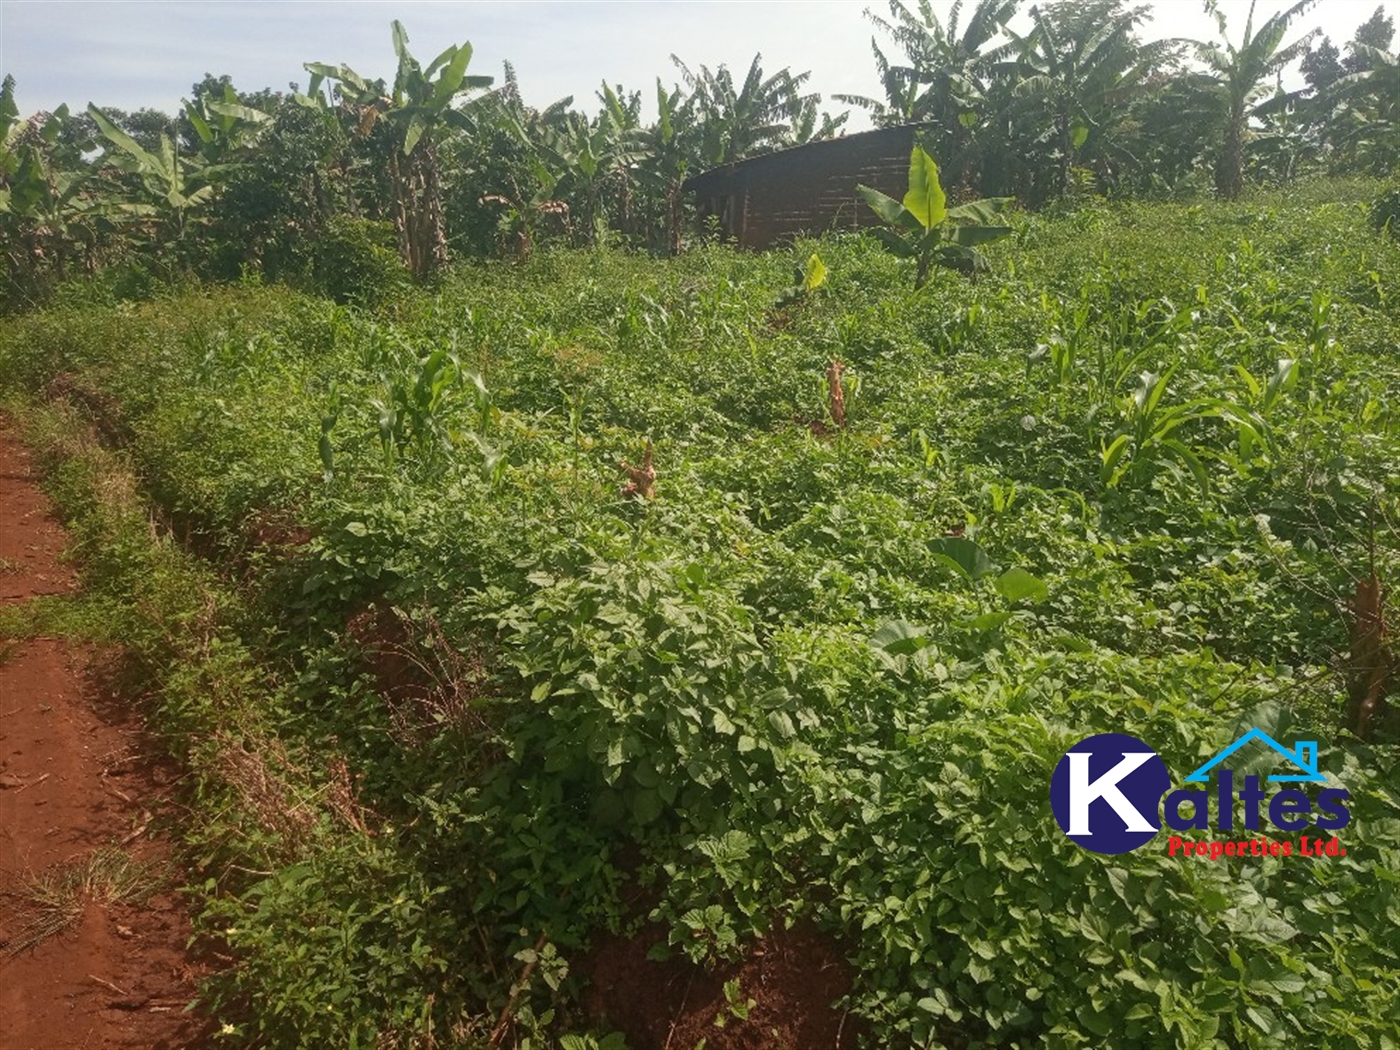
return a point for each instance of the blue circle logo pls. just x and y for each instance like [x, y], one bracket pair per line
[1106, 791]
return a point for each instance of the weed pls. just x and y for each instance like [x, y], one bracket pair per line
[817, 677]
[52, 901]
[81, 617]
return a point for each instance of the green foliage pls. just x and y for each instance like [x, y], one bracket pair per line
[1066, 113]
[418, 112]
[823, 674]
[935, 233]
[1385, 213]
[354, 261]
[369, 946]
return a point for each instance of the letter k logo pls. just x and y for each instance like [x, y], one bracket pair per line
[1083, 791]
[1106, 792]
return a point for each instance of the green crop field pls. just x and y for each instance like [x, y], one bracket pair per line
[450, 695]
[564, 628]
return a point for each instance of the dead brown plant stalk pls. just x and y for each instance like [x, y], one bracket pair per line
[836, 393]
[642, 480]
[1371, 663]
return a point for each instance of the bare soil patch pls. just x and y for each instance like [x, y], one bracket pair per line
[787, 986]
[92, 934]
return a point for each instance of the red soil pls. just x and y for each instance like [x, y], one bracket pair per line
[78, 773]
[792, 978]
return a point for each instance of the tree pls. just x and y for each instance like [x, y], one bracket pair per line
[1082, 63]
[419, 111]
[1376, 32]
[1322, 67]
[668, 154]
[738, 123]
[46, 215]
[590, 158]
[1172, 128]
[1241, 74]
[1367, 119]
[222, 124]
[274, 204]
[812, 124]
[943, 79]
[168, 185]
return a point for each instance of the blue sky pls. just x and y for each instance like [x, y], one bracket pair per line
[133, 54]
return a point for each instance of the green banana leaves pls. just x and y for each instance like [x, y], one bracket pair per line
[927, 230]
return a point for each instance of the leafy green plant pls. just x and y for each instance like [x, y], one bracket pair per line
[419, 108]
[223, 124]
[172, 185]
[932, 233]
[805, 280]
[809, 668]
[1149, 438]
[611, 1041]
[737, 1006]
[353, 262]
[1385, 213]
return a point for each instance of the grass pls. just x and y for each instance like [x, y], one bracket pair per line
[54, 900]
[80, 617]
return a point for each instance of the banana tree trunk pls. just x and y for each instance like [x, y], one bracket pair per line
[432, 227]
[1066, 153]
[1229, 173]
[400, 208]
[673, 217]
[419, 227]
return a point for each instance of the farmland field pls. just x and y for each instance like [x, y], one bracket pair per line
[468, 722]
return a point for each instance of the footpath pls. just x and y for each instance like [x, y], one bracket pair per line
[92, 931]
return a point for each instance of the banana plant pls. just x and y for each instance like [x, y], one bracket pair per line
[665, 158]
[932, 233]
[11, 127]
[223, 125]
[171, 185]
[420, 109]
[1241, 75]
[44, 214]
[589, 157]
[1368, 116]
[805, 280]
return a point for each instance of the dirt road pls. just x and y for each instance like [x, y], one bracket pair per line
[92, 933]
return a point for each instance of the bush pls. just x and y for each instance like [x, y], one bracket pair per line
[355, 262]
[792, 684]
[1385, 213]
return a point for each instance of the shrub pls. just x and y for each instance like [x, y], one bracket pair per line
[354, 262]
[1385, 213]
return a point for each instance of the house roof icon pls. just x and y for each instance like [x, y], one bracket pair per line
[1304, 756]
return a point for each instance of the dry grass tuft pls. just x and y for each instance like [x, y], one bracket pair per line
[55, 899]
[264, 791]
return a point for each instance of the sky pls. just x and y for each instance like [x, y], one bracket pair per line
[129, 54]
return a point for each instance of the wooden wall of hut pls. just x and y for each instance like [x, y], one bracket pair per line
[809, 189]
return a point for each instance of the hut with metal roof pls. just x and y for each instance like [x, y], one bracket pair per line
[807, 189]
